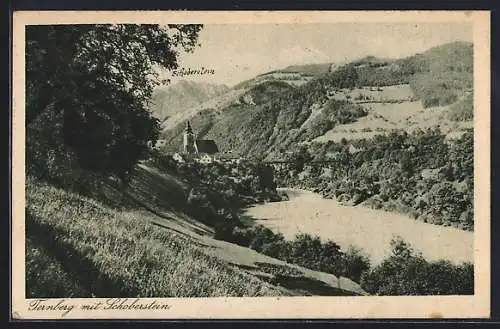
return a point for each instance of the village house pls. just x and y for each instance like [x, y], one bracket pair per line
[178, 157]
[205, 159]
[160, 143]
[227, 157]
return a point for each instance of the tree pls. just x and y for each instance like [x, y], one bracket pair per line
[306, 250]
[445, 202]
[406, 272]
[265, 175]
[462, 156]
[430, 148]
[92, 83]
[355, 263]
[300, 158]
[406, 165]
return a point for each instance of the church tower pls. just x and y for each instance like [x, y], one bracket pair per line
[189, 141]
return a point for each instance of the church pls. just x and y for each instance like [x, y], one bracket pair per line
[204, 150]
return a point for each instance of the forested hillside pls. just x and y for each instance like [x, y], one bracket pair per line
[439, 82]
[419, 173]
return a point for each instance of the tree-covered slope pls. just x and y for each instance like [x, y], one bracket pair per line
[273, 116]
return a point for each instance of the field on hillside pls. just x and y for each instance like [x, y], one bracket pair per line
[216, 102]
[401, 92]
[391, 107]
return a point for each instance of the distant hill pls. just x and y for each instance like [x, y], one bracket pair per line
[309, 69]
[254, 90]
[272, 112]
[176, 98]
[291, 76]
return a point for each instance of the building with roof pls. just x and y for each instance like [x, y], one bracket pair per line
[203, 150]
[206, 146]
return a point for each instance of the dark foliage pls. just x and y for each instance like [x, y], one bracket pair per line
[304, 250]
[87, 89]
[408, 273]
[418, 173]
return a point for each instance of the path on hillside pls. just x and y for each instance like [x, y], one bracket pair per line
[369, 229]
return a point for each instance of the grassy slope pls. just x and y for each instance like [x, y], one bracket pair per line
[79, 247]
[112, 253]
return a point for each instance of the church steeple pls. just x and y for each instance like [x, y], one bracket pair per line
[189, 141]
[189, 130]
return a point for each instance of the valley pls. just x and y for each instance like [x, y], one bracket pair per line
[348, 178]
[369, 152]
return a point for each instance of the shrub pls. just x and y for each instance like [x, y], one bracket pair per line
[354, 263]
[261, 236]
[223, 229]
[283, 196]
[308, 251]
[408, 273]
[278, 249]
[374, 202]
[467, 219]
[462, 156]
[444, 201]
[462, 110]
[242, 236]
[305, 250]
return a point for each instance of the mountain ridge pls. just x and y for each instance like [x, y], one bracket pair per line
[367, 94]
[175, 98]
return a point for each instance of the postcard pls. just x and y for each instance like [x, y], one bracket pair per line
[251, 165]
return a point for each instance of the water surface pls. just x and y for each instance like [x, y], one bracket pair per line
[369, 229]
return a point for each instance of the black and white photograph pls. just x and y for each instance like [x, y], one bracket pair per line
[292, 159]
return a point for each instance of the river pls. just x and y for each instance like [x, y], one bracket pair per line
[368, 229]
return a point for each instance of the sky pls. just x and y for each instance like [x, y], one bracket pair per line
[237, 52]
